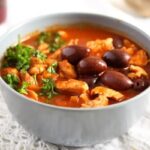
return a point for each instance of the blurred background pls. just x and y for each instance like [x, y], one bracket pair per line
[136, 12]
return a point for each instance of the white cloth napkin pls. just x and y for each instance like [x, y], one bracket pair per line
[12, 135]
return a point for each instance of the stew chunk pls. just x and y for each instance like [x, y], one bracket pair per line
[72, 86]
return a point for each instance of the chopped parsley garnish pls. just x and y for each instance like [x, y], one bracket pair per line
[18, 56]
[39, 55]
[54, 40]
[11, 80]
[48, 88]
[56, 43]
[52, 68]
[23, 88]
[44, 37]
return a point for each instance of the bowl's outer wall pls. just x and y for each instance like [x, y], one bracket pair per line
[73, 127]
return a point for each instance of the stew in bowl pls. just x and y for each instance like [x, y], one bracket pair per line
[78, 65]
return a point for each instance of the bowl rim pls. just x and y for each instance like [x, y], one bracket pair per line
[112, 106]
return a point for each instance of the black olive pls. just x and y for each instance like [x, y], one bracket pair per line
[74, 53]
[117, 58]
[91, 65]
[116, 80]
[90, 80]
[140, 84]
[125, 70]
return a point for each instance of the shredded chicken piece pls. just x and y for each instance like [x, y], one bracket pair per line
[73, 42]
[44, 48]
[140, 58]
[35, 60]
[107, 92]
[129, 47]
[46, 75]
[50, 61]
[136, 71]
[32, 94]
[9, 70]
[63, 34]
[67, 70]
[25, 76]
[102, 99]
[100, 46]
[129, 50]
[99, 101]
[72, 86]
[129, 44]
[37, 69]
[84, 97]
[74, 99]
[55, 55]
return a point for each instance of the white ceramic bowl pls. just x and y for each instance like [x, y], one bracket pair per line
[74, 126]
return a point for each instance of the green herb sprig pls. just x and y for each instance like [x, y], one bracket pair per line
[57, 42]
[23, 88]
[52, 68]
[18, 56]
[54, 40]
[11, 80]
[48, 88]
[44, 37]
[39, 55]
